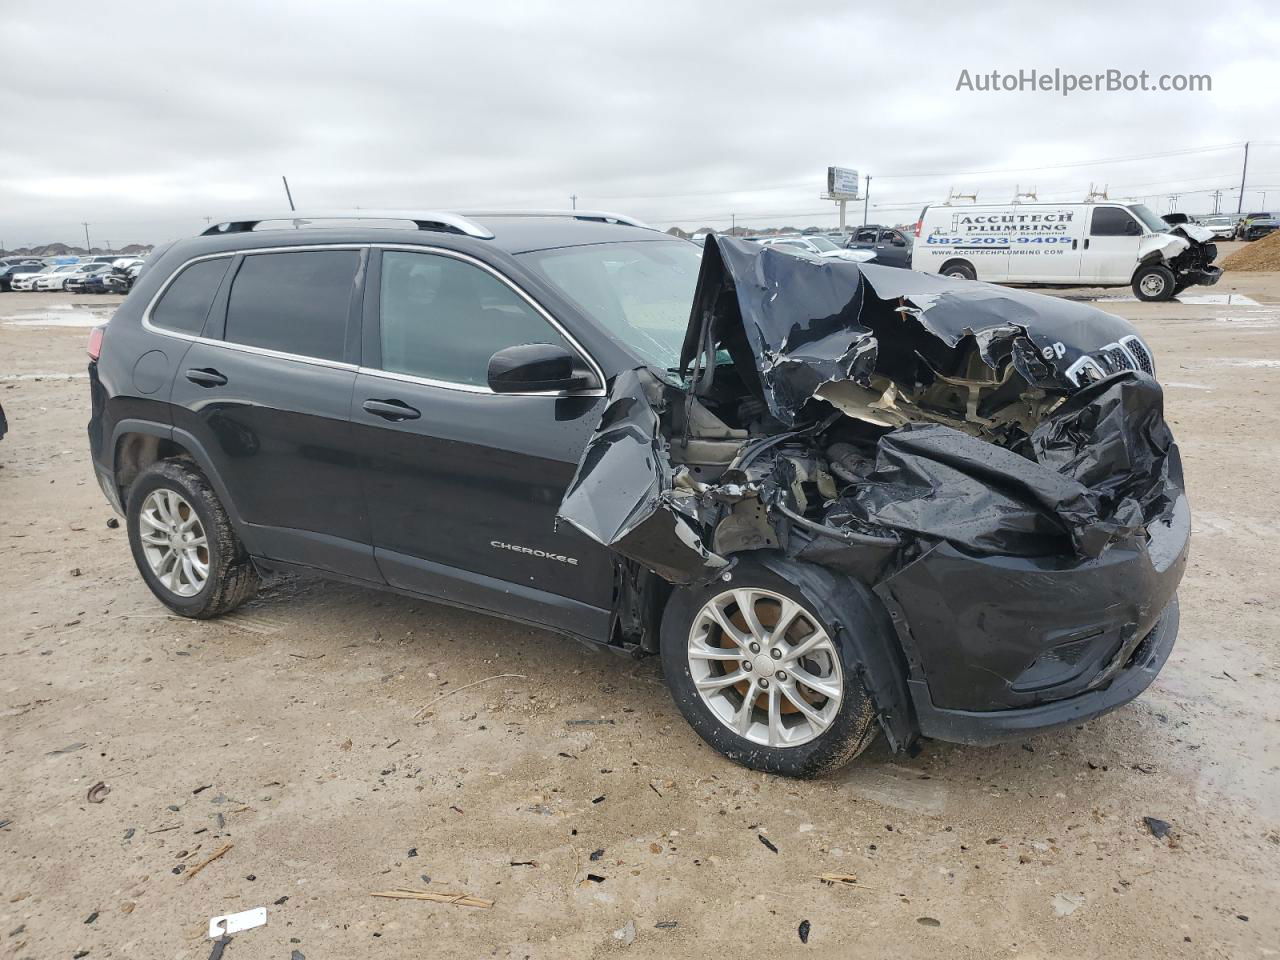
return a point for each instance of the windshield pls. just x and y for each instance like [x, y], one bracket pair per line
[640, 291]
[1149, 220]
[823, 244]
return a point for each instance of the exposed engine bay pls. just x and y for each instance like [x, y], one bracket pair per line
[879, 409]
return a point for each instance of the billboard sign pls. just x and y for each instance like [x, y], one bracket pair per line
[842, 183]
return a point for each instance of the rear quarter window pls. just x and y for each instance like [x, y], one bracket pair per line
[294, 303]
[185, 303]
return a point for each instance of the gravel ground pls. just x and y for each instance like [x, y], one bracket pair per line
[572, 794]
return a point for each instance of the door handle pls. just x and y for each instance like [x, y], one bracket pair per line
[206, 377]
[1086, 243]
[1074, 244]
[391, 409]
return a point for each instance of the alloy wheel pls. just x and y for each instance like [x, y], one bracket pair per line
[765, 667]
[174, 542]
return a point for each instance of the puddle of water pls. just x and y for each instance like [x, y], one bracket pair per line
[61, 315]
[19, 377]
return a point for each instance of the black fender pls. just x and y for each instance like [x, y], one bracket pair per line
[881, 661]
[195, 448]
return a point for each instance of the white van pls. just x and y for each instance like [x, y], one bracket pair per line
[1101, 244]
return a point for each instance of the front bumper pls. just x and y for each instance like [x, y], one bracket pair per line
[997, 646]
[981, 727]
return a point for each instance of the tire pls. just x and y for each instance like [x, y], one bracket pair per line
[688, 628]
[959, 270]
[1154, 282]
[176, 489]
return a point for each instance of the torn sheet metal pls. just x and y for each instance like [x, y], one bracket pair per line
[624, 493]
[1104, 465]
[800, 323]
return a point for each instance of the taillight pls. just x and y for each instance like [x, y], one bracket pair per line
[96, 336]
[919, 225]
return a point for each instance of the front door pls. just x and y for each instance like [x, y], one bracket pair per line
[1110, 246]
[463, 484]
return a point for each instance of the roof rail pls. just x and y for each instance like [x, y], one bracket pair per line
[437, 220]
[596, 216]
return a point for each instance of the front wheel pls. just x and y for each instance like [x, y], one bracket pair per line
[765, 674]
[1154, 282]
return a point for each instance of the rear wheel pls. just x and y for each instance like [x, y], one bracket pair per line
[765, 675]
[959, 270]
[183, 542]
[1153, 282]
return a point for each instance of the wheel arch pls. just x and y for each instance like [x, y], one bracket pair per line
[137, 444]
[843, 600]
[958, 261]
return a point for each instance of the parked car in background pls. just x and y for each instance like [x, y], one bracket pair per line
[9, 270]
[891, 247]
[57, 280]
[122, 276]
[27, 281]
[818, 247]
[75, 283]
[1255, 226]
[1222, 227]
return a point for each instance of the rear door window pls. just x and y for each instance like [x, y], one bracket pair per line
[442, 319]
[294, 302]
[185, 304]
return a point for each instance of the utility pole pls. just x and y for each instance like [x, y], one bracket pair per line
[88, 247]
[287, 193]
[1173, 201]
[866, 200]
[733, 224]
[573, 201]
[1217, 199]
[1243, 171]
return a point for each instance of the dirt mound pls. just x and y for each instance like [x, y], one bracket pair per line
[1260, 255]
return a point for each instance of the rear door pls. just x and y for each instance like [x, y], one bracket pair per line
[891, 249]
[463, 484]
[1110, 246]
[266, 392]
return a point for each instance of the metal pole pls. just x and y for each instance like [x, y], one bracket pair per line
[733, 224]
[287, 193]
[573, 200]
[866, 201]
[1243, 171]
[88, 246]
[842, 216]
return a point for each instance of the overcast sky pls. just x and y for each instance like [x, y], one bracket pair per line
[143, 119]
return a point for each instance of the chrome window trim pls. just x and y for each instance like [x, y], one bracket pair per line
[148, 325]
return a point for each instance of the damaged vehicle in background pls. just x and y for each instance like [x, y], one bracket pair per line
[838, 499]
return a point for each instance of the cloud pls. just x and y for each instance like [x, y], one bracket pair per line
[145, 118]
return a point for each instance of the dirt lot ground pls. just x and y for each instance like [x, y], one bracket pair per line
[573, 795]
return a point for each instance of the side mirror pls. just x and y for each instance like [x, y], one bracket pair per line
[535, 368]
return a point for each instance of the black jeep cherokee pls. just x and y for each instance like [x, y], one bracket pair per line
[837, 499]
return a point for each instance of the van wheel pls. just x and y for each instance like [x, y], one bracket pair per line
[1153, 282]
[959, 270]
[184, 544]
[765, 673]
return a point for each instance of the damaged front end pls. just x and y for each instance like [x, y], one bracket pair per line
[1193, 265]
[993, 464]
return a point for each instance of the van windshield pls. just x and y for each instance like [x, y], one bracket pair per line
[1149, 220]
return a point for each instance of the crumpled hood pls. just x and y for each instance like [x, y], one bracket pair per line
[807, 321]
